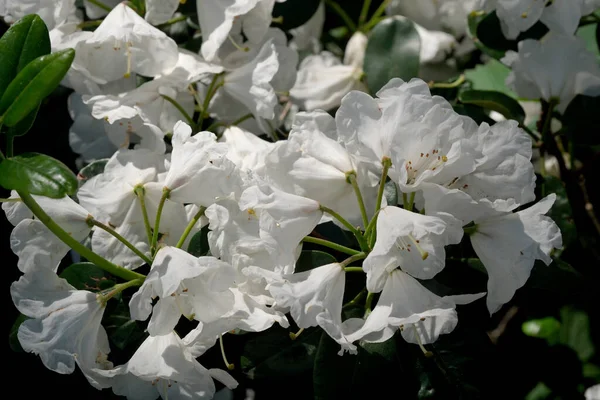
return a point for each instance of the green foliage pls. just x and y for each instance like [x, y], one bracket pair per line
[87, 276]
[310, 259]
[198, 246]
[37, 174]
[490, 76]
[392, 52]
[496, 101]
[294, 12]
[91, 170]
[26, 40]
[32, 84]
[13, 340]
[543, 328]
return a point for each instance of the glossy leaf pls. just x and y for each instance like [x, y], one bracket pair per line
[392, 52]
[89, 171]
[121, 329]
[543, 328]
[310, 259]
[495, 101]
[87, 276]
[34, 83]
[198, 246]
[37, 174]
[474, 20]
[24, 41]
[24, 125]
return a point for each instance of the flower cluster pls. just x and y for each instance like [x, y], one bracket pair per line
[167, 177]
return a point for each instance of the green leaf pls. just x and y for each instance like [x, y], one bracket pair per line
[310, 259]
[34, 83]
[543, 328]
[365, 375]
[390, 192]
[589, 35]
[591, 371]
[121, 329]
[89, 171]
[496, 101]
[490, 33]
[539, 392]
[198, 246]
[37, 174]
[294, 13]
[575, 332]
[26, 40]
[87, 276]
[559, 278]
[24, 125]
[392, 52]
[474, 20]
[490, 76]
[13, 340]
[273, 354]
[561, 211]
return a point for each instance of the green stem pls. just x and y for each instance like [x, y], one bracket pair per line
[548, 120]
[11, 200]
[331, 245]
[339, 218]
[356, 299]
[190, 226]
[99, 4]
[161, 204]
[10, 140]
[115, 290]
[387, 163]
[354, 269]
[408, 202]
[210, 92]
[340, 11]
[461, 79]
[351, 259]
[74, 244]
[187, 117]
[470, 229]
[90, 24]
[364, 12]
[172, 21]
[371, 232]
[140, 192]
[242, 119]
[361, 204]
[93, 222]
[375, 17]
[531, 133]
[368, 304]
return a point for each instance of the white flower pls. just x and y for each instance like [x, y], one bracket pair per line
[508, 245]
[411, 241]
[538, 73]
[54, 13]
[200, 173]
[323, 80]
[196, 288]
[64, 328]
[592, 393]
[246, 150]
[123, 44]
[160, 11]
[35, 245]
[165, 366]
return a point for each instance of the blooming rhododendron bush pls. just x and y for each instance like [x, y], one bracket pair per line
[239, 199]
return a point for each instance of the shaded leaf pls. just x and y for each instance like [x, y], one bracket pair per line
[87, 276]
[198, 246]
[13, 340]
[490, 76]
[490, 33]
[121, 329]
[37, 174]
[89, 171]
[24, 125]
[310, 259]
[390, 192]
[496, 101]
[392, 52]
[294, 13]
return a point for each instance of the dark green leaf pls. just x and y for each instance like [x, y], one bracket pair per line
[496, 101]
[34, 83]
[490, 76]
[558, 277]
[539, 392]
[26, 40]
[87, 276]
[575, 332]
[198, 246]
[273, 354]
[392, 52]
[37, 174]
[91, 170]
[473, 22]
[543, 328]
[310, 259]
[294, 13]
[598, 37]
[13, 340]
[365, 375]
[23, 126]
[588, 33]
[561, 211]
[121, 330]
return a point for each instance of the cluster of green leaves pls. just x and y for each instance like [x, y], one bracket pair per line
[28, 74]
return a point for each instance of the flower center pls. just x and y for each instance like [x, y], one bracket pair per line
[431, 161]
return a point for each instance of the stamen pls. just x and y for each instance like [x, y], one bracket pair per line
[229, 365]
[423, 253]
[294, 336]
[237, 46]
[127, 74]
[423, 349]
